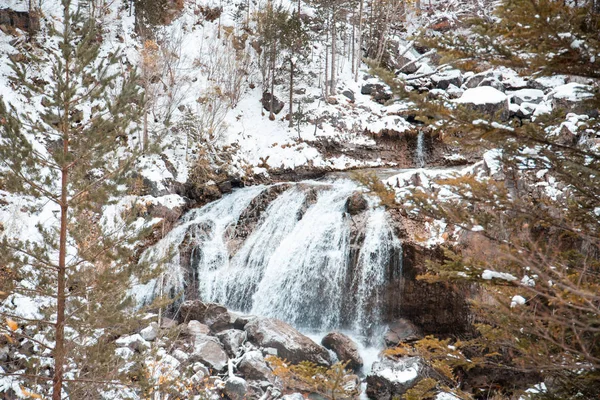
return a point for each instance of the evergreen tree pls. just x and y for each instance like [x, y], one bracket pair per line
[541, 314]
[74, 156]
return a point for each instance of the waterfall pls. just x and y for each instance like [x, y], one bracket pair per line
[420, 156]
[306, 260]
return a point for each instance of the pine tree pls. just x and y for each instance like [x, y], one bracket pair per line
[72, 157]
[543, 315]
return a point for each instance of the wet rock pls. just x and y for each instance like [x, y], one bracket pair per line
[485, 100]
[241, 321]
[232, 340]
[254, 367]
[391, 379]
[344, 348]
[195, 328]
[150, 332]
[356, 203]
[266, 102]
[209, 352]
[235, 388]
[290, 344]
[401, 331]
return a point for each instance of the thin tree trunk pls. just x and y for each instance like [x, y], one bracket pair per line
[333, 37]
[271, 114]
[353, 50]
[359, 44]
[291, 125]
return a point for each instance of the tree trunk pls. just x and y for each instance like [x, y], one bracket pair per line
[272, 106]
[333, 37]
[291, 93]
[359, 44]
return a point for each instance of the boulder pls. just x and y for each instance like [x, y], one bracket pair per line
[371, 88]
[215, 316]
[150, 332]
[572, 98]
[444, 79]
[493, 82]
[209, 352]
[344, 348]
[26, 21]
[475, 80]
[191, 310]
[232, 340]
[266, 102]
[241, 321]
[290, 344]
[235, 388]
[254, 367]
[195, 328]
[356, 203]
[401, 331]
[349, 94]
[485, 100]
[391, 379]
[533, 96]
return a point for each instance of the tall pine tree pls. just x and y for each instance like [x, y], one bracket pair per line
[73, 155]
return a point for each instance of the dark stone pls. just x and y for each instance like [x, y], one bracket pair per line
[225, 187]
[345, 349]
[191, 310]
[277, 104]
[349, 94]
[371, 88]
[401, 331]
[356, 203]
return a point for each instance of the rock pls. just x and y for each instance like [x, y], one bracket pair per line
[192, 310]
[572, 98]
[332, 100]
[232, 340]
[150, 332]
[26, 21]
[195, 328]
[475, 80]
[401, 331]
[371, 88]
[406, 65]
[454, 92]
[290, 344]
[217, 317]
[493, 82]
[225, 187]
[485, 100]
[344, 348]
[349, 94]
[235, 388]
[241, 321]
[444, 79]
[199, 367]
[277, 104]
[254, 367]
[209, 352]
[533, 96]
[391, 379]
[356, 203]
[167, 323]
[180, 355]
[135, 342]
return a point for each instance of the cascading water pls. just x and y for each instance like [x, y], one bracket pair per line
[307, 261]
[420, 154]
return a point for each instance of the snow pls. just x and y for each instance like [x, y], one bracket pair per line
[528, 95]
[517, 301]
[492, 159]
[399, 376]
[572, 92]
[482, 95]
[446, 396]
[489, 275]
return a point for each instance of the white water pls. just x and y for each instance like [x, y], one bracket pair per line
[420, 156]
[298, 263]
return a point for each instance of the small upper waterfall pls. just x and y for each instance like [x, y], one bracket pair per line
[304, 259]
[420, 154]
